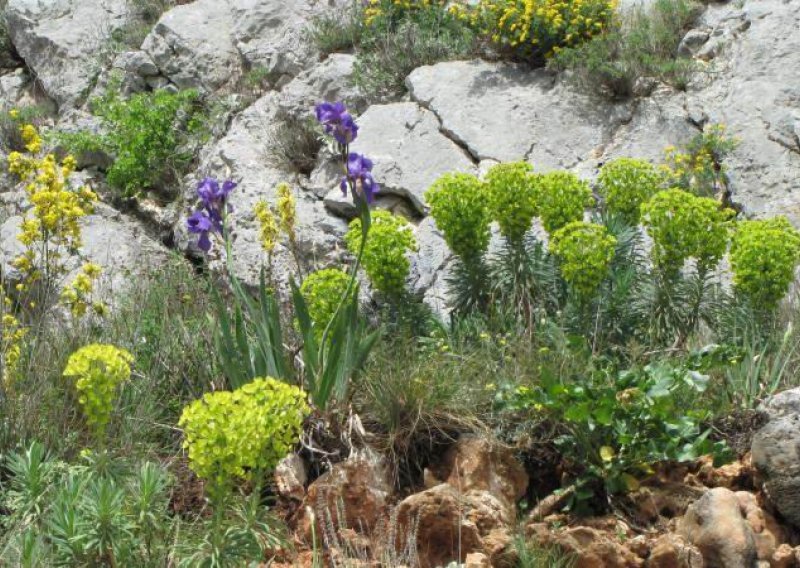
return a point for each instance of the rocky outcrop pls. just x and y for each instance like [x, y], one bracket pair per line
[776, 453]
[717, 525]
[63, 41]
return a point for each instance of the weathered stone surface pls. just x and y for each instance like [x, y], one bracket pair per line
[672, 551]
[430, 266]
[409, 151]
[193, 45]
[330, 80]
[767, 533]
[776, 454]
[717, 526]
[505, 113]
[61, 40]
[590, 547]
[475, 464]
[291, 476]
[353, 495]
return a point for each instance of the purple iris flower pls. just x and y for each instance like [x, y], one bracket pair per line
[209, 219]
[200, 224]
[359, 173]
[337, 122]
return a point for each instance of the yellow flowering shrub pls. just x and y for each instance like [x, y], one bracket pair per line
[561, 197]
[684, 226]
[12, 333]
[625, 184]
[231, 434]
[385, 262]
[512, 198]
[536, 29]
[51, 228]
[585, 251]
[287, 210]
[98, 370]
[764, 255]
[323, 291]
[77, 295]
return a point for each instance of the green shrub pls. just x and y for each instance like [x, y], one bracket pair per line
[385, 261]
[764, 255]
[323, 292]
[512, 198]
[458, 205]
[641, 43]
[148, 136]
[232, 435]
[585, 251]
[685, 226]
[625, 184]
[337, 30]
[561, 197]
[98, 371]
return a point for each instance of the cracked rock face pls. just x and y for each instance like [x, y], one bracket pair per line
[62, 41]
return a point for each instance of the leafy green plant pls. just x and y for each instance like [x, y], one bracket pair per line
[620, 424]
[322, 291]
[147, 135]
[699, 166]
[561, 197]
[764, 254]
[642, 42]
[337, 30]
[385, 262]
[626, 183]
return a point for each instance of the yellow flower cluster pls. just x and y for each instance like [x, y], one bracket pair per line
[231, 434]
[538, 27]
[379, 8]
[698, 166]
[98, 370]
[287, 210]
[77, 295]
[51, 228]
[268, 226]
[11, 336]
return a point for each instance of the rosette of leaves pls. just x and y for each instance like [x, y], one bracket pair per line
[458, 204]
[561, 197]
[230, 435]
[684, 226]
[323, 292]
[585, 251]
[764, 254]
[389, 239]
[98, 371]
[512, 190]
[625, 184]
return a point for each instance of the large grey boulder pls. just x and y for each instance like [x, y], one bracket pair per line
[193, 45]
[776, 453]
[63, 41]
[506, 113]
[409, 150]
[330, 80]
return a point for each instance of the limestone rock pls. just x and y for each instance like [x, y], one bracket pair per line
[776, 456]
[291, 476]
[474, 463]
[408, 149]
[717, 526]
[502, 112]
[193, 45]
[60, 40]
[672, 551]
[330, 80]
[353, 495]
[449, 525]
[590, 547]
